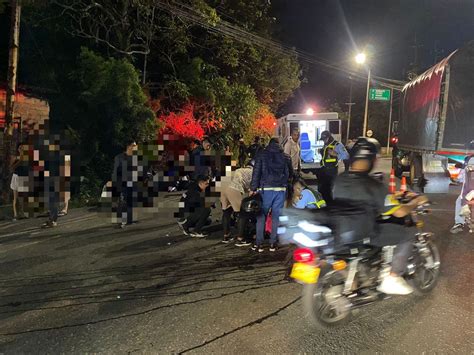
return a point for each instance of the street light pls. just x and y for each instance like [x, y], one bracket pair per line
[361, 59]
[310, 111]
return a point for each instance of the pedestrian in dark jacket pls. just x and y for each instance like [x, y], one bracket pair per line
[195, 210]
[242, 153]
[123, 183]
[270, 177]
[255, 148]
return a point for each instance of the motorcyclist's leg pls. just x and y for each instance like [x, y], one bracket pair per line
[400, 257]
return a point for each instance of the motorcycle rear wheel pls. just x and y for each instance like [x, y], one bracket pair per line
[426, 276]
[324, 304]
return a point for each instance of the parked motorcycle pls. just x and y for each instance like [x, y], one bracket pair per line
[338, 280]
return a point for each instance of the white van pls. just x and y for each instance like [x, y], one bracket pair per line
[310, 128]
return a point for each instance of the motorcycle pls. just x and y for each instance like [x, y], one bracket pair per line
[338, 280]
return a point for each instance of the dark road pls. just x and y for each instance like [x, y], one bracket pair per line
[87, 287]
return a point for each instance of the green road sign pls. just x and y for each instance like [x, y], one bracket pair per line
[379, 95]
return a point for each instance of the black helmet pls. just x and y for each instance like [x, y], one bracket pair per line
[365, 148]
[325, 134]
[252, 204]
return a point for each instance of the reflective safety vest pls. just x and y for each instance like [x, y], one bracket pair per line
[329, 161]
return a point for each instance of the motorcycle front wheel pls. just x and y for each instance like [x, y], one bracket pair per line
[427, 268]
[324, 302]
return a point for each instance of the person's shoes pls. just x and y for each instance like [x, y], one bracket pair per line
[242, 243]
[49, 224]
[257, 248]
[182, 226]
[62, 214]
[14, 219]
[394, 285]
[457, 228]
[198, 235]
[273, 247]
[227, 239]
[122, 225]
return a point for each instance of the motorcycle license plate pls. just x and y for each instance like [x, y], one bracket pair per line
[305, 273]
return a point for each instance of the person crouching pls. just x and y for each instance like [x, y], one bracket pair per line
[195, 210]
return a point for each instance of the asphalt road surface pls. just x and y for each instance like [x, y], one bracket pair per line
[88, 287]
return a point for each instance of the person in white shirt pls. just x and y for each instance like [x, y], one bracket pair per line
[293, 149]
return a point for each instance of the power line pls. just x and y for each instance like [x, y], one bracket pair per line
[227, 29]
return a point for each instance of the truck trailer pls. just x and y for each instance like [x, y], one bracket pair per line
[436, 123]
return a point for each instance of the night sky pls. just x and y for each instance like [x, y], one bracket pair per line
[335, 29]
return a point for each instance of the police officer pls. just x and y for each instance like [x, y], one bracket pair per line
[332, 153]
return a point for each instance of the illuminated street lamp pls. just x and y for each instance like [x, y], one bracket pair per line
[309, 111]
[361, 59]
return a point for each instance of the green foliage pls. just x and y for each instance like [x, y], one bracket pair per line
[110, 96]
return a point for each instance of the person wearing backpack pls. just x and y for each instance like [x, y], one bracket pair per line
[270, 177]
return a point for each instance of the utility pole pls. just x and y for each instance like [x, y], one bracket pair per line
[390, 120]
[366, 113]
[350, 103]
[11, 87]
[413, 72]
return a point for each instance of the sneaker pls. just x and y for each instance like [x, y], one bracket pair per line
[242, 243]
[227, 239]
[273, 247]
[198, 235]
[457, 228]
[14, 219]
[394, 285]
[257, 248]
[49, 224]
[122, 225]
[182, 226]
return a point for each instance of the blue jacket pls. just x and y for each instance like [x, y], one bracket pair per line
[272, 168]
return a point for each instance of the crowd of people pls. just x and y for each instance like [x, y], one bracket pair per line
[41, 177]
[268, 179]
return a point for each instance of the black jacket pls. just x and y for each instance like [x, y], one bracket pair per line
[193, 198]
[272, 168]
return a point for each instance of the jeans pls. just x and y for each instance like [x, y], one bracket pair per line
[457, 217]
[273, 200]
[403, 238]
[125, 206]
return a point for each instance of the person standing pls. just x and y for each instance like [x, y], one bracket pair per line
[122, 178]
[459, 219]
[332, 153]
[52, 166]
[293, 149]
[19, 182]
[270, 178]
[242, 153]
[255, 148]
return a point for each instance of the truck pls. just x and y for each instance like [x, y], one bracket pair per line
[436, 123]
[310, 127]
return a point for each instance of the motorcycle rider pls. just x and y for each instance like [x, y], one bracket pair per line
[358, 184]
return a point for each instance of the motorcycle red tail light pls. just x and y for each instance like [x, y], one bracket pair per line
[303, 255]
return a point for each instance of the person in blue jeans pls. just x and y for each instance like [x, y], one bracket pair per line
[270, 177]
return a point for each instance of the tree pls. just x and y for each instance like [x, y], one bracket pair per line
[111, 107]
[263, 124]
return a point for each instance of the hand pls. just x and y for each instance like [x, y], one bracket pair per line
[252, 193]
